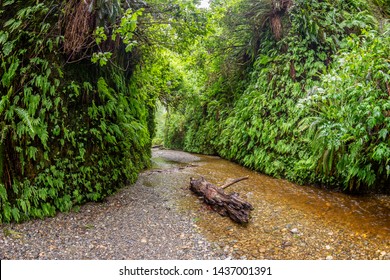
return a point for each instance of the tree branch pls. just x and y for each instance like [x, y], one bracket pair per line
[233, 182]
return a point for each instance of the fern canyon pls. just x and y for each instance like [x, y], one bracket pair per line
[296, 90]
[75, 125]
[210, 130]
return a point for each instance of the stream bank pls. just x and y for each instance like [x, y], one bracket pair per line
[159, 218]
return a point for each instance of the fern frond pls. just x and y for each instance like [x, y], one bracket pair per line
[26, 119]
[3, 131]
[5, 100]
[104, 90]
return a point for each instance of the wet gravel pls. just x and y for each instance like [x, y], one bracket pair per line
[138, 222]
[159, 218]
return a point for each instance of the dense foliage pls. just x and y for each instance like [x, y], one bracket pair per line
[295, 89]
[79, 85]
[73, 125]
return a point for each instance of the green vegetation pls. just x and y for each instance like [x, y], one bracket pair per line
[71, 131]
[79, 85]
[294, 89]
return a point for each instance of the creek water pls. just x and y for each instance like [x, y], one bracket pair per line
[288, 221]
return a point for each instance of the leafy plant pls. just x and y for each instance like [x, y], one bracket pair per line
[69, 132]
[250, 110]
[349, 125]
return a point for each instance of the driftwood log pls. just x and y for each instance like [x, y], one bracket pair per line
[225, 204]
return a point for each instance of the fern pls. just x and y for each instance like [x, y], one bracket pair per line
[9, 75]
[26, 119]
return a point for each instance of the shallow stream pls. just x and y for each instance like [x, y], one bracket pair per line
[289, 221]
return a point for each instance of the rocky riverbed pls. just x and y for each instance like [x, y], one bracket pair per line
[159, 218]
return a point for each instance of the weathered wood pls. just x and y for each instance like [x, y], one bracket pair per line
[233, 182]
[225, 204]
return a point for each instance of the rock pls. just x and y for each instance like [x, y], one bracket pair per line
[329, 258]
[294, 231]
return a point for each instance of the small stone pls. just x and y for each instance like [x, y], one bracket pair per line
[329, 258]
[294, 231]
[327, 247]
[383, 253]
[144, 240]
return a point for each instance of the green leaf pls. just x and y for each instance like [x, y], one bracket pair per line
[15, 214]
[10, 73]
[383, 133]
[3, 37]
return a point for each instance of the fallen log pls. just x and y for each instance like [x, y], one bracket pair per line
[225, 204]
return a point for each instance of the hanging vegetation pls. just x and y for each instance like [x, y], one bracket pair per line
[72, 130]
[296, 89]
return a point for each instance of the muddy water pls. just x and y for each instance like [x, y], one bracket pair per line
[369, 215]
[289, 221]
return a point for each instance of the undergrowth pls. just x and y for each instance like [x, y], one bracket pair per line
[71, 130]
[312, 104]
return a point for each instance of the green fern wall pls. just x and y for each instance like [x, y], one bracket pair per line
[71, 130]
[311, 105]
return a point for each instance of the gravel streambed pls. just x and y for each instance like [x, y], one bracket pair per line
[159, 218]
[138, 222]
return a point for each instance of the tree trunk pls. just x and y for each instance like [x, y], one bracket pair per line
[225, 204]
